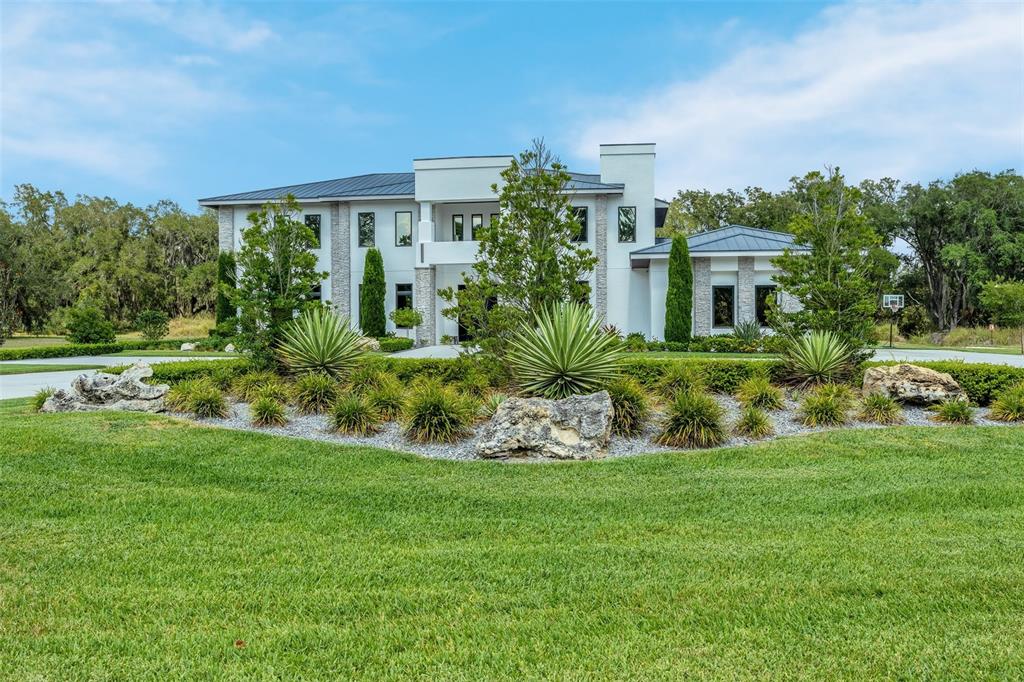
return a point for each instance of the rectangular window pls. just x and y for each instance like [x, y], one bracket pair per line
[367, 228]
[476, 221]
[403, 228]
[403, 296]
[581, 218]
[762, 295]
[723, 306]
[317, 293]
[313, 223]
[627, 223]
[457, 223]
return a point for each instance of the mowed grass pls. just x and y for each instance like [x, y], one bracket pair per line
[26, 368]
[142, 547]
[170, 353]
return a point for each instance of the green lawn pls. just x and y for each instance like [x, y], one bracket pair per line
[173, 354]
[141, 547]
[25, 368]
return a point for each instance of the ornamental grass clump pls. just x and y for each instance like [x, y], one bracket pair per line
[629, 406]
[1009, 405]
[41, 396]
[320, 340]
[754, 422]
[365, 378]
[275, 390]
[824, 406]
[757, 391]
[678, 378]
[265, 411]
[207, 401]
[694, 420]
[248, 386]
[388, 397]
[353, 415]
[817, 358]
[565, 354]
[880, 409]
[437, 413]
[315, 392]
[954, 412]
[179, 396]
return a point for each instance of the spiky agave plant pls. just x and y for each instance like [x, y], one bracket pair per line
[320, 340]
[817, 357]
[565, 354]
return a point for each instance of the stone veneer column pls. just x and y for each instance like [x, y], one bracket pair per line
[702, 296]
[425, 296]
[341, 254]
[745, 305]
[226, 227]
[601, 248]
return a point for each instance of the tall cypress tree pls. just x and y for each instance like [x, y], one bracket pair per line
[679, 299]
[371, 295]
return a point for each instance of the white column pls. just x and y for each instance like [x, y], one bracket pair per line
[424, 232]
[657, 274]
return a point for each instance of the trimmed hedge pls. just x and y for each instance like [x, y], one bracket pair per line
[72, 349]
[221, 371]
[721, 375]
[393, 344]
[982, 382]
[719, 344]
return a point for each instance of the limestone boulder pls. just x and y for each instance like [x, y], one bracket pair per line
[230, 348]
[103, 391]
[912, 384]
[188, 346]
[578, 427]
[368, 343]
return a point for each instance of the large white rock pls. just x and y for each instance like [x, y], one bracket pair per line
[578, 427]
[188, 346]
[102, 391]
[912, 384]
[368, 343]
[230, 348]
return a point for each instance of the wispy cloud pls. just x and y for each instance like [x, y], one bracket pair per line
[880, 89]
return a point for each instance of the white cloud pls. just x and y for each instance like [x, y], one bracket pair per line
[909, 91]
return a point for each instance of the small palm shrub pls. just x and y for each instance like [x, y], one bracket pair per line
[492, 401]
[757, 391]
[315, 392]
[266, 411]
[694, 420]
[753, 422]
[880, 409]
[41, 396]
[320, 340]
[248, 386]
[207, 401]
[388, 397]
[353, 415]
[954, 412]
[823, 407]
[678, 378]
[818, 357]
[437, 414]
[748, 331]
[1009, 405]
[629, 406]
[566, 354]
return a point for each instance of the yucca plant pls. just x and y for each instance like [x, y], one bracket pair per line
[754, 422]
[247, 386]
[353, 415]
[491, 402]
[678, 377]
[265, 411]
[437, 414]
[320, 340]
[207, 401]
[954, 412]
[694, 420]
[1009, 405]
[566, 354]
[315, 392]
[747, 331]
[817, 357]
[823, 406]
[629, 406]
[757, 391]
[388, 397]
[41, 396]
[880, 409]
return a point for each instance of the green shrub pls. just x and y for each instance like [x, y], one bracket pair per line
[315, 392]
[954, 412]
[824, 406]
[748, 332]
[320, 341]
[694, 420]
[492, 401]
[406, 318]
[371, 295]
[41, 397]
[225, 285]
[754, 422]
[154, 324]
[68, 350]
[1009, 406]
[566, 354]
[393, 344]
[475, 383]
[437, 414]
[630, 409]
[353, 415]
[265, 411]
[387, 397]
[679, 296]
[635, 343]
[758, 391]
[841, 393]
[880, 409]
[87, 324]
[366, 377]
[981, 382]
[206, 401]
[679, 377]
[720, 375]
[247, 386]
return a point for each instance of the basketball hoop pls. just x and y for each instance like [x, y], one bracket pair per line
[893, 302]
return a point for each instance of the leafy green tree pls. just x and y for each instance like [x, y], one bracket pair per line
[87, 324]
[679, 299]
[277, 275]
[1004, 301]
[154, 324]
[371, 295]
[527, 260]
[225, 285]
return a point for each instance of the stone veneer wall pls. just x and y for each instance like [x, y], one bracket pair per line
[702, 296]
[745, 304]
[226, 227]
[425, 296]
[341, 265]
[601, 246]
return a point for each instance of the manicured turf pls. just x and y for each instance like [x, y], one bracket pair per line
[25, 368]
[141, 547]
[172, 354]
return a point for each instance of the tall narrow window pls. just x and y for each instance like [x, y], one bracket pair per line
[403, 296]
[723, 306]
[313, 223]
[457, 224]
[403, 228]
[367, 228]
[581, 218]
[317, 293]
[627, 223]
[762, 296]
[476, 221]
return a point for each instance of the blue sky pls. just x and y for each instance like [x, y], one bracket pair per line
[144, 100]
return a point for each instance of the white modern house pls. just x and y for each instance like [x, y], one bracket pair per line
[423, 223]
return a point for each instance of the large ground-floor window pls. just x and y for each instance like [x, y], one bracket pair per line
[763, 295]
[723, 306]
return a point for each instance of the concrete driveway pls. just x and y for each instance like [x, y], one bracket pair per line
[912, 355]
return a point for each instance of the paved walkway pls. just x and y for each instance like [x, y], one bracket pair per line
[446, 351]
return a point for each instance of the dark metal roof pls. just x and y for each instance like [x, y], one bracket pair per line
[729, 238]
